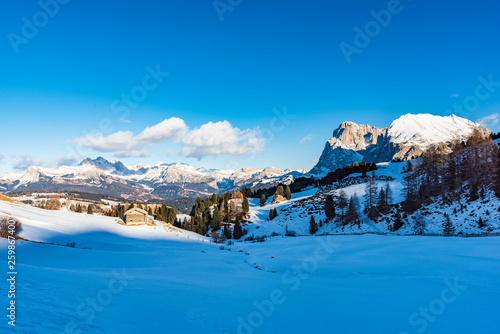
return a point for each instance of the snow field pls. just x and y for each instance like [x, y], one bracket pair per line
[344, 284]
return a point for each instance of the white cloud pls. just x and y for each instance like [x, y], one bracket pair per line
[115, 142]
[306, 138]
[25, 160]
[210, 139]
[170, 129]
[489, 120]
[220, 138]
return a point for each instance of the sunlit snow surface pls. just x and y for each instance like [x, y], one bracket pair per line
[172, 284]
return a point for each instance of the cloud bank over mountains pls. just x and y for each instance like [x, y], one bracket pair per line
[210, 139]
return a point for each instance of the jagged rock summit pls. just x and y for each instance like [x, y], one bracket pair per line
[406, 138]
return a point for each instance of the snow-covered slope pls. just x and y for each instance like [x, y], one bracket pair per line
[406, 138]
[424, 130]
[122, 279]
[294, 215]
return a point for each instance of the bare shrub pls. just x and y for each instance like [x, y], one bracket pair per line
[53, 204]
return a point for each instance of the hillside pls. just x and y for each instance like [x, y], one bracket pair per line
[190, 286]
[294, 215]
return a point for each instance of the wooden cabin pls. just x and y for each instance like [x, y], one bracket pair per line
[136, 216]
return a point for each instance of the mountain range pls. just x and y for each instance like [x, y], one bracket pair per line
[141, 181]
[407, 137]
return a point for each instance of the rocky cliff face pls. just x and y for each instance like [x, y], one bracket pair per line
[406, 138]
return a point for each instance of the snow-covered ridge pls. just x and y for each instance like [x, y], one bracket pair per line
[163, 180]
[426, 130]
[407, 137]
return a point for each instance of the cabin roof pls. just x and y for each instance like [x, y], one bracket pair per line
[144, 212]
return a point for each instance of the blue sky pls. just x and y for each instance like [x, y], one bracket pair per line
[62, 84]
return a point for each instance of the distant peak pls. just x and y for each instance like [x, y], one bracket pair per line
[348, 124]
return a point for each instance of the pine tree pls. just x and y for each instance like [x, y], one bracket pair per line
[288, 193]
[419, 226]
[313, 227]
[150, 212]
[263, 200]
[226, 209]
[410, 186]
[227, 232]
[329, 207]
[388, 193]
[496, 172]
[352, 212]
[342, 203]
[272, 214]
[382, 205]
[131, 206]
[232, 210]
[279, 191]
[89, 210]
[200, 225]
[79, 208]
[246, 206]
[214, 199]
[355, 199]
[120, 210]
[216, 219]
[448, 228]
[480, 223]
[371, 197]
[238, 231]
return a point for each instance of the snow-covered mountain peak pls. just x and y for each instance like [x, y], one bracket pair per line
[407, 137]
[163, 180]
[425, 129]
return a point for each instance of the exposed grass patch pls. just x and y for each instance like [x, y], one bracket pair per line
[8, 199]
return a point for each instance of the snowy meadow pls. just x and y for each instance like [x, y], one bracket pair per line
[122, 279]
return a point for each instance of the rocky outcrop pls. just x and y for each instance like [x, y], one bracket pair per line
[278, 199]
[406, 138]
